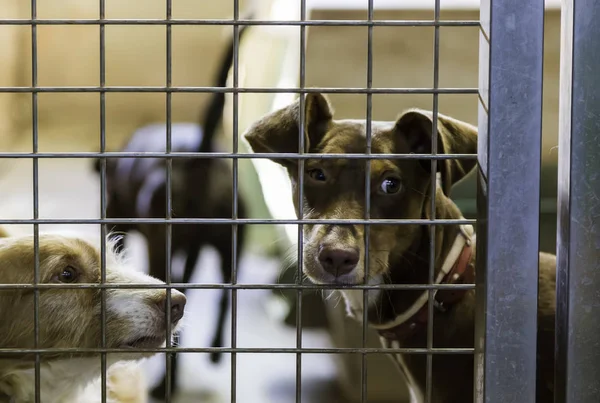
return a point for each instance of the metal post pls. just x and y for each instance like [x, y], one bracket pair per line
[578, 243]
[511, 60]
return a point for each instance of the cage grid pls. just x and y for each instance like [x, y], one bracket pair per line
[494, 392]
[168, 90]
[103, 206]
[433, 188]
[367, 213]
[36, 228]
[300, 257]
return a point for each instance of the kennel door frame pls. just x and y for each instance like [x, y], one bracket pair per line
[508, 199]
[578, 238]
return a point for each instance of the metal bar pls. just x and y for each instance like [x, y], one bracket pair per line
[433, 190]
[239, 350]
[300, 239]
[324, 90]
[103, 206]
[235, 156]
[131, 286]
[367, 196]
[578, 249]
[230, 221]
[36, 203]
[339, 23]
[511, 61]
[234, 212]
[169, 358]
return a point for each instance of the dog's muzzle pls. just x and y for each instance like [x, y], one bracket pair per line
[338, 261]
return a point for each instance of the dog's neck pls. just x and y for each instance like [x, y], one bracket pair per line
[456, 268]
[453, 262]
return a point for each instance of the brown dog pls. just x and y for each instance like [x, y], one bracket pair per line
[398, 254]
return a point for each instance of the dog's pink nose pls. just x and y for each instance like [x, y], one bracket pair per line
[338, 261]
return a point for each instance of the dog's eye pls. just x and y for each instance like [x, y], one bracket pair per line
[68, 275]
[390, 185]
[317, 174]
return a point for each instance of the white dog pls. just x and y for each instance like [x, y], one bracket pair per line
[71, 318]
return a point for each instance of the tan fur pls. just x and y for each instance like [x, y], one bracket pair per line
[71, 318]
[398, 254]
[125, 383]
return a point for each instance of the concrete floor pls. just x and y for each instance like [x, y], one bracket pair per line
[69, 190]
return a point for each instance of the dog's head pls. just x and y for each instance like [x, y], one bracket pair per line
[335, 188]
[72, 318]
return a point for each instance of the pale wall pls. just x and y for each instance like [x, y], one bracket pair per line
[135, 56]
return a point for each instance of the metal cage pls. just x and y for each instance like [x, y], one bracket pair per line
[510, 132]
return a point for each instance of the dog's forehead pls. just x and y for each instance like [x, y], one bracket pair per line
[67, 246]
[59, 250]
[350, 137]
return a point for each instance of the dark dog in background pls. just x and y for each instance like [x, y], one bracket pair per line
[399, 254]
[200, 188]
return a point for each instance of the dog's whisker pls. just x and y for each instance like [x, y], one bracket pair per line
[337, 302]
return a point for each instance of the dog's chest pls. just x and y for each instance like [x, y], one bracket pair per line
[60, 381]
[415, 392]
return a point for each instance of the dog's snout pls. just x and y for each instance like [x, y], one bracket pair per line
[178, 301]
[338, 261]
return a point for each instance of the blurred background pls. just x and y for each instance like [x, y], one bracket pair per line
[69, 56]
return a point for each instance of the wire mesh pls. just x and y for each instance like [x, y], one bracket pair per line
[169, 155]
[367, 228]
[432, 228]
[36, 202]
[300, 200]
[169, 358]
[238, 22]
[234, 213]
[103, 204]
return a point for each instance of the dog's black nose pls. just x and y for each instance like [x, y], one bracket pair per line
[338, 261]
[178, 301]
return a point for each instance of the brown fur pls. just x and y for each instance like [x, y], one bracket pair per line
[398, 254]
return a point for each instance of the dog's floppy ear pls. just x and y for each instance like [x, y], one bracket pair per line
[278, 132]
[454, 137]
